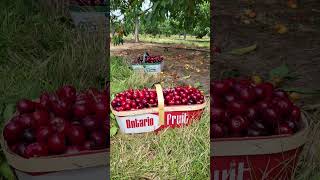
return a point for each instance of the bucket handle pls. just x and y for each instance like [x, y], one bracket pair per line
[160, 103]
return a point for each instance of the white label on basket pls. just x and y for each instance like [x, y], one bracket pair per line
[230, 174]
[153, 68]
[139, 123]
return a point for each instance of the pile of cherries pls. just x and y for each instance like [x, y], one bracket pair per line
[146, 98]
[240, 108]
[154, 59]
[149, 59]
[63, 122]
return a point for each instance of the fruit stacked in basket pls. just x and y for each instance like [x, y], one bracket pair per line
[147, 98]
[148, 59]
[241, 108]
[63, 122]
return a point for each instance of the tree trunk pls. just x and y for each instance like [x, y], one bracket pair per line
[136, 30]
[184, 36]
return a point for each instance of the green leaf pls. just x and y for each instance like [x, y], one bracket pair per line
[301, 90]
[8, 111]
[280, 72]
[231, 73]
[113, 131]
[245, 50]
[112, 116]
[6, 171]
[197, 85]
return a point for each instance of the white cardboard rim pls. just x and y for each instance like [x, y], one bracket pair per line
[55, 163]
[259, 145]
[155, 109]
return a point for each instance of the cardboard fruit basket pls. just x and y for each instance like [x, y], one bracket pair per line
[85, 165]
[89, 18]
[257, 158]
[158, 118]
[82, 166]
[149, 67]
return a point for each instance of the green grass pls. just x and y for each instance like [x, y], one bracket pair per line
[309, 164]
[181, 153]
[190, 41]
[39, 52]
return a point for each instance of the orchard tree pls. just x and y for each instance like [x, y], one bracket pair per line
[132, 12]
[164, 16]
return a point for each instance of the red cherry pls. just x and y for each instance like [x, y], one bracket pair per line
[28, 135]
[238, 124]
[91, 123]
[76, 135]
[261, 106]
[295, 114]
[230, 97]
[267, 88]
[67, 93]
[280, 93]
[57, 144]
[220, 87]
[252, 113]
[259, 91]
[12, 132]
[61, 108]
[99, 139]
[271, 116]
[283, 106]
[80, 110]
[237, 107]
[101, 110]
[45, 100]
[26, 121]
[43, 133]
[216, 101]
[216, 131]
[134, 105]
[20, 149]
[291, 124]
[247, 95]
[41, 118]
[25, 106]
[218, 115]
[59, 125]
[36, 150]
[284, 129]
[88, 145]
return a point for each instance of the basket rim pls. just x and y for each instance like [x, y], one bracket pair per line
[259, 145]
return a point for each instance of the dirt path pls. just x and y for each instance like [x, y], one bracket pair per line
[182, 65]
[299, 48]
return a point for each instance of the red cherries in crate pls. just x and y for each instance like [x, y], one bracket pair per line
[62, 122]
[147, 98]
[240, 108]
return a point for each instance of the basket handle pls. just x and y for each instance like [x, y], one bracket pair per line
[160, 103]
